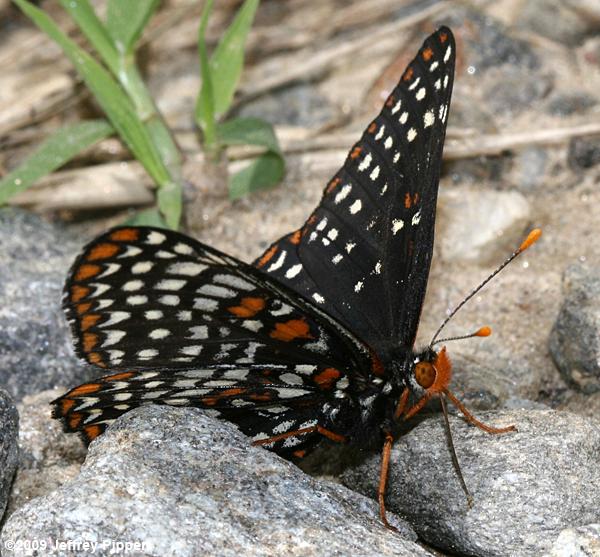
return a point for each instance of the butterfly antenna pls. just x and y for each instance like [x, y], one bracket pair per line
[531, 239]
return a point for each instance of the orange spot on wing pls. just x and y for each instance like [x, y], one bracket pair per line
[443, 37]
[75, 420]
[372, 127]
[333, 184]
[125, 235]
[300, 453]
[407, 76]
[260, 397]
[89, 320]
[296, 237]
[290, 330]
[102, 251]
[356, 152]
[83, 308]
[376, 365]
[267, 256]
[407, 200]
[119, 376]
[92, 431]
[87, 271]
[427, 54]
[415, 198]
[65, 405]
[89, 341]
[85, 389]
[248, 307]
[391, 101]
[96, 359]
[327, 377]
[79, 292]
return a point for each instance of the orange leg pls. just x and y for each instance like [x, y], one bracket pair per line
[315, 428]
[401, 404]
[418, 406]
[383, 476]
[473, 420]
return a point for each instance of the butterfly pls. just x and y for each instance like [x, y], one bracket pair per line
[316, 338]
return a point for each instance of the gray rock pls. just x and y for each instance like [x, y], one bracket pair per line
[9, 429]
[475, 219]
[577, 542]
[575, 338]
[35, 344]
[513, 90]
[568, 104]
[47, 457]
[568, 22]
[527, 486]
[530, 168]
[186, 484]
[584, 152]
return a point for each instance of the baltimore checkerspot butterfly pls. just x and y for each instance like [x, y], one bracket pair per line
[316, 338]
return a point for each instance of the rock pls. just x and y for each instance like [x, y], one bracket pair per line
[568, 104]
[528, 486]
[530, 168]
[584, 152]
[577, 542]
[47, 457]
[35, 345]
[575, 338]
[474, 219]
[513, 90]
[567, 22]
[9, 429]
[186, 484]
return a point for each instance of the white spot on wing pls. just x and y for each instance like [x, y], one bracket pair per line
[365, 163]
[170, 284]
[412, 133]
[318, 298]
[428, 118]
[169, 300]
[115, 317]
[388, 142]
[187, 268]
[356, 207]
[199, 332]
[350, 246]
[216, 291]
[137, 300]
[155, 238]
[293, 271]
[447, 55]
[234, 281]
[152, 314]
[183, 249]
[205, 304]
[358, 286]
[414, 84]
[433, 66]
[374, 173]
[343, 193]
[403, 118]
[146, 354]
[397, 225]
[380, 133]
[416, 218]
[112, 337]
[421, 94]
[158, 334]
[279, 263]
[397, 107]
[142, 267]
[132, 285]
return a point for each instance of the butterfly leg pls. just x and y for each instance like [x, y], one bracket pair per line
[473, 420]
[383, 476]
[313, 429]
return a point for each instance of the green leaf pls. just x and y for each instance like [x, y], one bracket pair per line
[109, 95]
[248, 131]
[264, 172]
[55, 151]
[126, 19]
[91, 26]
[227, 61]
[205, 103]
[149, 217]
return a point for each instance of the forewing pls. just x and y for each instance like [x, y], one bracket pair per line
[151, 298]
[364, 254]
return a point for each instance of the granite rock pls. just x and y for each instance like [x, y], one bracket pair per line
[35, 344]
[575, 338]
[185, 484]
[528, 486]
[9, 427]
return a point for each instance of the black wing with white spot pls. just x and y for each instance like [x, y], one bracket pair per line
[364, 253]
[265, 401]
[151, 298]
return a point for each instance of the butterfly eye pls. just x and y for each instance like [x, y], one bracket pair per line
[425, 374]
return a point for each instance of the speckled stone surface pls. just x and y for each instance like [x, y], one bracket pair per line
[527, 486]
[9, 427]
[189, 485]
[35, 345]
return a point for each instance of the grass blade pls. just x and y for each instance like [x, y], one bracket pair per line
[264, 172]
[55, 151]
[227, 62]
[205, 103]
[126, 19]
